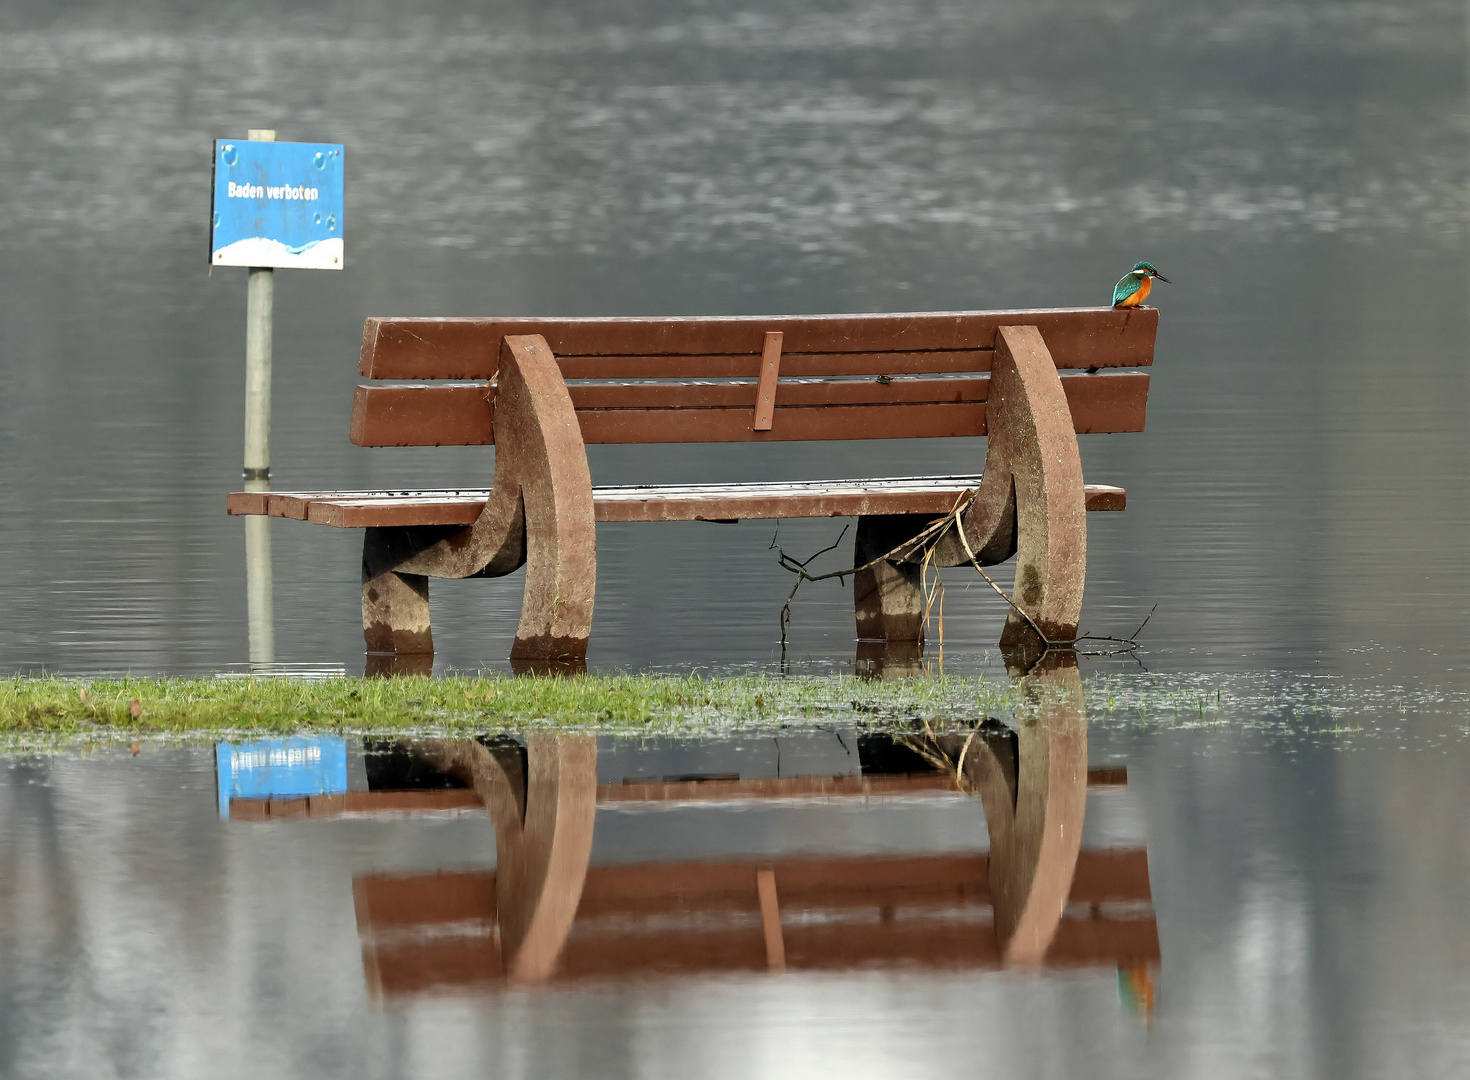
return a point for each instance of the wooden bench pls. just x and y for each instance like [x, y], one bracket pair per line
[540, 390]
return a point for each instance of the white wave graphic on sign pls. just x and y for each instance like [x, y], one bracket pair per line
[260, 251]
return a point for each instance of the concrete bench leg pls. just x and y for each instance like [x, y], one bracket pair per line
[888, 597]
[539, 513]
[395, 605]
[1031, 502]
[395, 613]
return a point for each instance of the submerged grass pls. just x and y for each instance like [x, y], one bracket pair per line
[39, 709]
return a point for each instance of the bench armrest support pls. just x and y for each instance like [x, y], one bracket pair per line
[539, 511]
[1031, 501]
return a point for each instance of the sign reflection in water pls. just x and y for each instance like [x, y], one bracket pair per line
[1037, 899]
[280, 768]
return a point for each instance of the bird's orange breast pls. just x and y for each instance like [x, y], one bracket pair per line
[1141, 295]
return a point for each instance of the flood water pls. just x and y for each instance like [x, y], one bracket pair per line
[1297, 514]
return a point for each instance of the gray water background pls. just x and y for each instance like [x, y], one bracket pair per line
[1299, 169]
[1297, 506]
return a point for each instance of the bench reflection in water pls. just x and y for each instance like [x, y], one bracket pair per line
[1036, 900]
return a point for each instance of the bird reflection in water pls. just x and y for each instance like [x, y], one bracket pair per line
[1038, 900]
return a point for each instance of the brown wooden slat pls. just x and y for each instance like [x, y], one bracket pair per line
[1101, 497]
[361, 510]
[462, 416]
[422, 416]
[786, 787]
[883, 880]
[467, 964]
[741, 395]
[802, 787]
[454, 964]
[645, 890]
[355, 514]
[1107, 775]
[386, 902]
[392, 902]
[250, 503]
[768, 501]
[469, 348]
[599, 952]
[921, 944]
[363, 514]
[1088, 942]
[442, 800]
[793, 365]
[1107, 404]
[1115, 875]
[434, 800]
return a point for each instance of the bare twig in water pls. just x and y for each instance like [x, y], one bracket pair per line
[797, 567]
[927, 539]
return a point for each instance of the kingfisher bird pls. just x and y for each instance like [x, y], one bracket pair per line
[1132, 289]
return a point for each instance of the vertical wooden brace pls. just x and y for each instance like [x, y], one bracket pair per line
[765, 887]
[765, 396]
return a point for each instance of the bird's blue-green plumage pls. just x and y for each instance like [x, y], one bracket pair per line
[1132, 281]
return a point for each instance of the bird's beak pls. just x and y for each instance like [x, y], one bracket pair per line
[1162, 278]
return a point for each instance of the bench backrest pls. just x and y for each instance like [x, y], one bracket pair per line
[749, 378]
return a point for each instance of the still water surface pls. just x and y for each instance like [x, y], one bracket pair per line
[1297, 514]
[1064, 899]
[1299, 169]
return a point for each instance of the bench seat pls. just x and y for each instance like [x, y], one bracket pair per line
[933, 495]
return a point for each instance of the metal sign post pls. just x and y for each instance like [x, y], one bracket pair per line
[260, 601]
[260, 298]
[275, 204]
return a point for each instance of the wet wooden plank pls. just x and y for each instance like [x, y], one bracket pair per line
[469, 348]
[248, 503]
[596, 951]
[452, 964]
[348, 804]
[1120, 942]
[844, 882]
[387, 902]
[758, 789]
[740, 395]
[463, 415]
[716, 502]
[397, 901]
[795, 365]
[791, 423]
[876, 785]
[422, 416]
[1112, 876]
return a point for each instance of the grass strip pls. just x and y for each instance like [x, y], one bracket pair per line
[37, 712]
[39, 709]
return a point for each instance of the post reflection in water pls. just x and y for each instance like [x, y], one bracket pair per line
[1037, 900]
